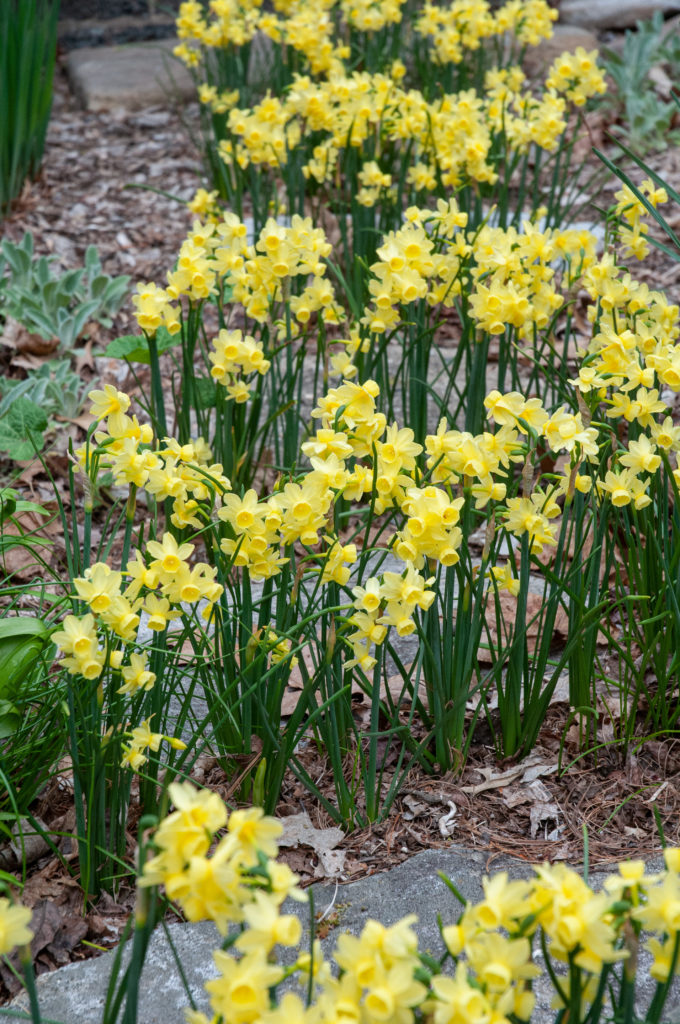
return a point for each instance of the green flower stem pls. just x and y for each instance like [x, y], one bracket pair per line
[26, 961]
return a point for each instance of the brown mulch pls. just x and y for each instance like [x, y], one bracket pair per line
[86, 193]
[535, 809]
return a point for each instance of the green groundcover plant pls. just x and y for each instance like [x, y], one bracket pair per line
[56, 305]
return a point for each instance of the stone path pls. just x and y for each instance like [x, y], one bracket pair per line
[75, 994]
[133, 77]
[616, 14]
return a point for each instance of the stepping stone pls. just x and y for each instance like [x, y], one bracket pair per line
[130, 77]
[564, 38]
[614, 14]
[75, 994]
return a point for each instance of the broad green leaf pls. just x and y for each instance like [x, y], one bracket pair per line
[15, 447]
[129, 346]
[21, 430]
[10, 719]
[8, 504]
[27, 417]
[135, 347]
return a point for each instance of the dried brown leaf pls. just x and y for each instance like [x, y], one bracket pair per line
[299, 831]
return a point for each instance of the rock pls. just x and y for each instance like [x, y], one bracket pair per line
[661, 82]
[129, 77]
[565, 37]
[75, 994]
[598, 14]
[671, 27]
[26, 846]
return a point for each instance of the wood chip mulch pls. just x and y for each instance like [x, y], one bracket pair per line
[88, 194]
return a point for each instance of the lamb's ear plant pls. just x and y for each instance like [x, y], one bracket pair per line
[646, 118]
[64, 304]
[54, 387]
[22, 429]
[57, 305]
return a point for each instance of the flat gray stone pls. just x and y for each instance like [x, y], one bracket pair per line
[130, 77]
[565, 37]
[612, 13]
[75, 994]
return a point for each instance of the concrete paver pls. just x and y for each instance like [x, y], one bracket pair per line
[131, 77]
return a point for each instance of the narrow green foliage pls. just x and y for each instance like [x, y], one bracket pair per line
[28, 45]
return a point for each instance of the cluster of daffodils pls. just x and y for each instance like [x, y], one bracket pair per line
[629, 373]
[506, 282]
[151, 589]
[237, 881]
[231, 24]
[354, 132]
[632, 213]
[512, 279]
[222, 866]
[354, 456]
[371, 16]
[314, 33]
[184, 473]
[510, 276]
[235, 360]
[576, 76]
[286, 263]
[383, 602]
[465, 24]
[453, 138]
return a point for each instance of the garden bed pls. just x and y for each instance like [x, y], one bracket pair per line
[612, 796]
